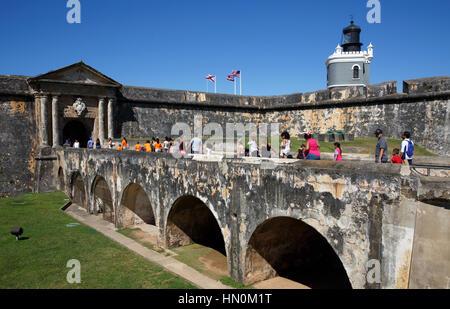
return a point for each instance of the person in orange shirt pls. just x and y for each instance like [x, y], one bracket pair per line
[148, 147]
[158, 145]
[119, 147]
[138, 147]
[124, 144]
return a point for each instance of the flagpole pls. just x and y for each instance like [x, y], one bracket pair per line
[234, 86]
[240, 84]
[215, 85]
[207, 88]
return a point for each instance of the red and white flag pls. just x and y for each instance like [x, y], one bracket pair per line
[230, 78]
[211, 78]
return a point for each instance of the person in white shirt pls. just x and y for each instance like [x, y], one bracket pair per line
[76, 144]
[405, 148]
[253, 148]
[196, 145]
[285, 148]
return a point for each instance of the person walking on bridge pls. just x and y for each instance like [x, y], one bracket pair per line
[407, 150]
[381, 150]
[138, 147]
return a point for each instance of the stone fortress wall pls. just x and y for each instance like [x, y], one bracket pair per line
[423, 108]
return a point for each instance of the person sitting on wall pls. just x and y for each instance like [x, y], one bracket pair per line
[110, 143]
[119, 147]
[97, 144]
[67, 143]
[381, 149]
[312, 148]
[285, 145]
[301, 152]
[76, 144]
[138, 147]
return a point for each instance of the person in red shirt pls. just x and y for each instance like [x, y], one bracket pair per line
[396, 159]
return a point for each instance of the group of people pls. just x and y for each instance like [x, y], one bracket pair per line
[308, 151]
[399, 156]
[153, 145]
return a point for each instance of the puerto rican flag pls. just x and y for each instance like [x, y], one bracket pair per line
[211, 78]
[230, 78]
[236, 73]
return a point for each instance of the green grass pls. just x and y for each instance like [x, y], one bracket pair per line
[40, 260]
[230, 282]
[190, 255]
[129, 233]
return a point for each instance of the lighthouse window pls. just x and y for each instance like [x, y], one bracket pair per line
[347, 38]
[356, 72]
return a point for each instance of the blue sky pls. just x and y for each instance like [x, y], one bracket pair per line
[280, 46]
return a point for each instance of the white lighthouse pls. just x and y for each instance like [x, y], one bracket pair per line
[348, 65]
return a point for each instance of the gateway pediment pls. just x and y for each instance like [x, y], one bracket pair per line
[78, 73]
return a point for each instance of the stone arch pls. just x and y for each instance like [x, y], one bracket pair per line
[61, 180]
[77, 190]
[135, 207]
[189, 221]
[290, 248]
[102, 198]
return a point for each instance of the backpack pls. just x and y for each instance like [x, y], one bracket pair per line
[410, 151]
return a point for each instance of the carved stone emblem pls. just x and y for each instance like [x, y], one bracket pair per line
[79, 107]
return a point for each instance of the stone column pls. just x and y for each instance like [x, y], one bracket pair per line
[101, 120]
[111, 103]
[55, 122]
[44, 121]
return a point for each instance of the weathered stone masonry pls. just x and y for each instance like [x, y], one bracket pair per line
[35, 111]
[358, 208]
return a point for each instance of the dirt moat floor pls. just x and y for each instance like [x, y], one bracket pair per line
[206, 260]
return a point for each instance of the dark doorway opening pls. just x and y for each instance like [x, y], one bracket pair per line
[75, 130]
[292, 249]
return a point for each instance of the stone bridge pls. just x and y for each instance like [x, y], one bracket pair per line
[324, 224]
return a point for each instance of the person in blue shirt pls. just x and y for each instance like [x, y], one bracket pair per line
[90, 143]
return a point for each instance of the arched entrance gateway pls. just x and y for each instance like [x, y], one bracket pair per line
[292, 249]
[76, 130]
[191, 221]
